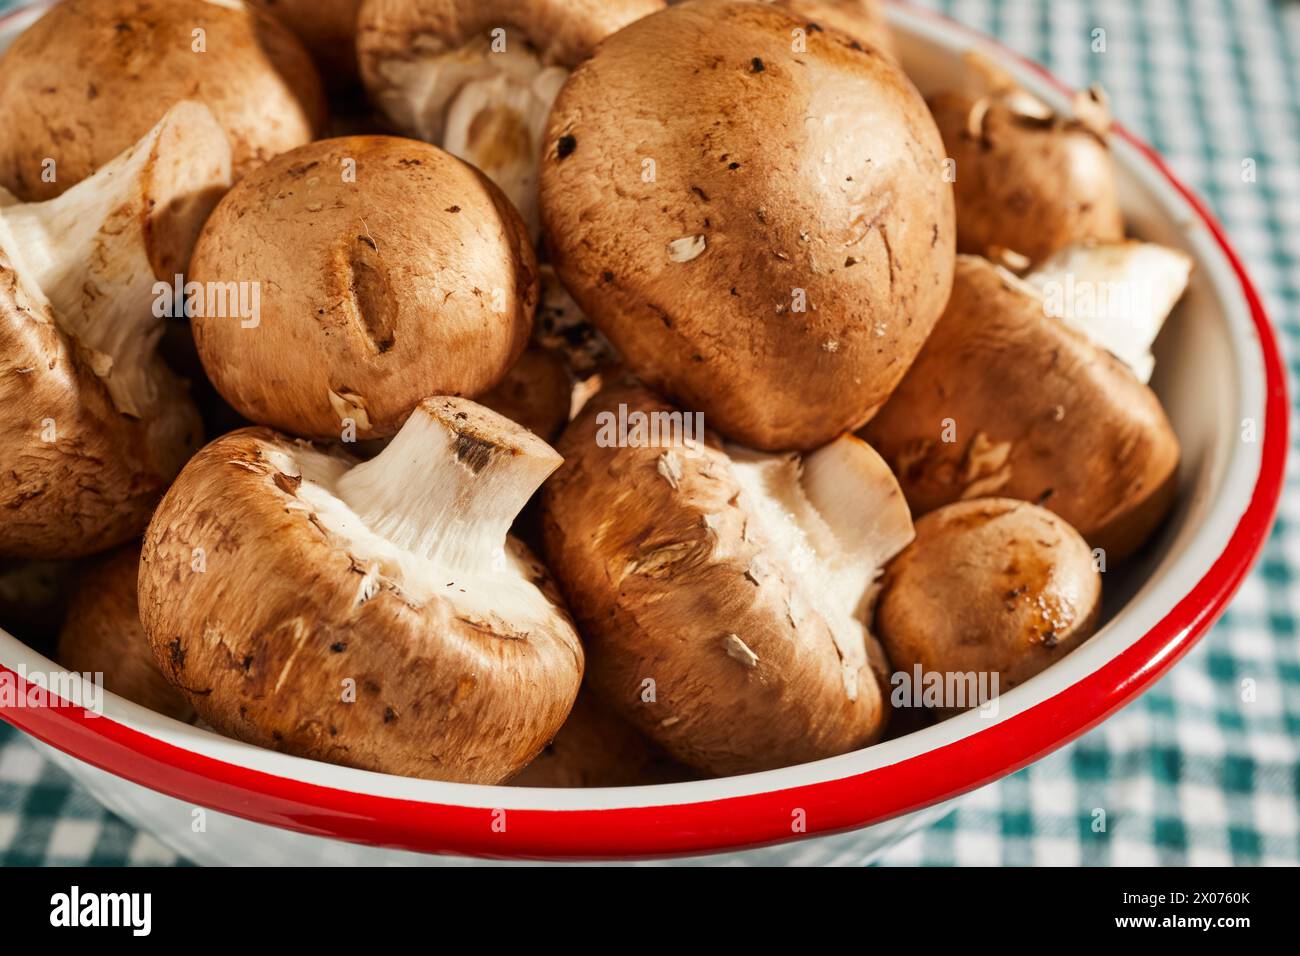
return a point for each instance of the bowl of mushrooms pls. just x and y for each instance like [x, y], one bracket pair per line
[441, 430]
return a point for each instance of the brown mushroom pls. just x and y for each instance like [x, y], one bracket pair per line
[722, 593]
[386, 271]
[1006, 400]
[597, 748]
[391, 623]
[478, 77]
[92, 76]
[765, 235]
[103, 635]
[1027, 178]
[94, 425]
[989, 587]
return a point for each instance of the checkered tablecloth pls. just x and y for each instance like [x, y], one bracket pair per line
[1189, 774]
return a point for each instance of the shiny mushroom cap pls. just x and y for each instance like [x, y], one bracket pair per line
[378, 271]
[737, 231]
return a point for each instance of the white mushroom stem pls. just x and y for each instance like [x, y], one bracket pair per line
[1117, 293]
[88, 250]
[488, 108]
[835, 517]
[450, 484]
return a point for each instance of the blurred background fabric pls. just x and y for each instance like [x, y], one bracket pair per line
[1190, 773]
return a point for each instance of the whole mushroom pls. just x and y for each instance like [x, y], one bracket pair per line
[94, 424]
[478, 77]
[394, 625]
[102, 634]
[764, 234]
[989, 586]
[92, 76]
[723, 593]
[1027, 178]
[386, 270]
[1006, 400]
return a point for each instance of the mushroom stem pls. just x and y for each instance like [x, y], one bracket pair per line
[90, 251]
[450, 483]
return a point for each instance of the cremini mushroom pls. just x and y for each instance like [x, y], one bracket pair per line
[328, 29]
[478, 77]
[989, 587]
[722, 592]
[597, 748]
[1006, 400]
[751, 245]
[102, 634]
[94, 424]
[1116, 293]
[92, 76]
[1027, 178]
[862, 20]
[371, 614]
[386, 270]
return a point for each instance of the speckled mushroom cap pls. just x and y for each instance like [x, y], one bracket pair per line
[102, 634]
[1027, 179]
[293, 620]
[863, 20]
[989, 585]
[705, 626]
[1006, 400]
[388, 271]
[564, 32]
[764, 234]
[92, 76]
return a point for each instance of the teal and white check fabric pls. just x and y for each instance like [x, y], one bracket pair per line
[1189, 774]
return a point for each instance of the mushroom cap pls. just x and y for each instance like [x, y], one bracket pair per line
[597, 748]
[564, 32]
[103, 634]
[989, 585]
[536, 393]
[92, 76]
[80, 476]
[794, 227]
[862, 20]
[698, 628]
[414, 277]
[328, 29]
[1023, 182]
[444, 689]
[1039, 413]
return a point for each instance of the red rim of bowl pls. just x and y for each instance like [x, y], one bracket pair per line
[733, 822]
